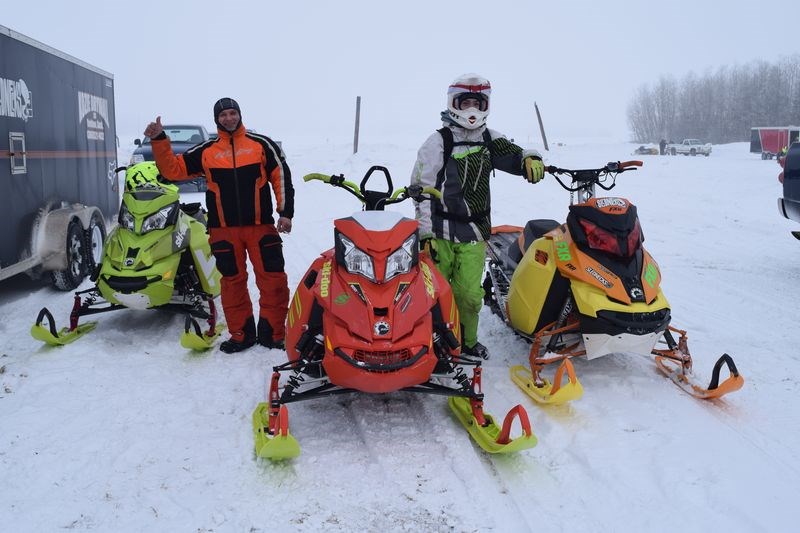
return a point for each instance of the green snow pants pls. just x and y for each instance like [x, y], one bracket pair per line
[461, 264]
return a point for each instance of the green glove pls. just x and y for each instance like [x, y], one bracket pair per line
[533, 168]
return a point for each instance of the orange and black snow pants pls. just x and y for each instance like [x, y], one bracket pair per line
[262, 244]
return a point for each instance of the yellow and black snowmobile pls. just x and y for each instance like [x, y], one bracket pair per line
[587, 288]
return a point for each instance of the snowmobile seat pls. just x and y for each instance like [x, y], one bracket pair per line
[532, 231]
[196, 211]
[192, 208]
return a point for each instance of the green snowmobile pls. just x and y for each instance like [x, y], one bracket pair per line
[158, 256]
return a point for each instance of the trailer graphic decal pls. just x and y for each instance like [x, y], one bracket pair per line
[15, 99]
[94, 111]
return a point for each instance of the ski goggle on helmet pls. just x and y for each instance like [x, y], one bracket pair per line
[468, 100]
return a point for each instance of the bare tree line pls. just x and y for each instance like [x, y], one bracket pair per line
[720, 106]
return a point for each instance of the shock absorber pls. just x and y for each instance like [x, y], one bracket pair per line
[566, 309]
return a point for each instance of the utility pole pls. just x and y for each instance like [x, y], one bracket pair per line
[358, 119]
[541, 126]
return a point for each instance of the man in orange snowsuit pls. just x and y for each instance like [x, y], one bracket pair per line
[240, 167]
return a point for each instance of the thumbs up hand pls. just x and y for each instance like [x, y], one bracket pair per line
[154, 129]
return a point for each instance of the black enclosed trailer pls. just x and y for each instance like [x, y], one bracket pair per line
[57, 159]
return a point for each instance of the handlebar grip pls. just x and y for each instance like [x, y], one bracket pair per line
[436, 193]
[416, 193]
[626, 164]
[317, 176]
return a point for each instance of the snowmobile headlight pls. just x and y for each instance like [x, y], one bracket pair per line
[356, 261]
[158, 220]
[402, 259]
[600, 239]
[125, 219]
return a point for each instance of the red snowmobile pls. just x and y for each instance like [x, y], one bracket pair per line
[588, 288]
[374, 315]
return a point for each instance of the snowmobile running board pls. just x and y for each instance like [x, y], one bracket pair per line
[549, 393]
[50, 336]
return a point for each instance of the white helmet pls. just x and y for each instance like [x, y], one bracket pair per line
[469, 86]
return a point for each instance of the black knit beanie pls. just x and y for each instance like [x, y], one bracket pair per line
[223, 104]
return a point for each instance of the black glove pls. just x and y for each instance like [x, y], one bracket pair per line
[427, 245]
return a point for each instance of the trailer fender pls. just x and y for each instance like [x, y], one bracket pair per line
[50, 236]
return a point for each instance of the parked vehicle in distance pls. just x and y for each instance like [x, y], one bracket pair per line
[648, 149]
[690, 147]
[182, 137]
[770, 141]
[58, 144]
[789, 204]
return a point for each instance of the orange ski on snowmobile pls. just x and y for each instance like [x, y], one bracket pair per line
[374, 315]
[588, 288]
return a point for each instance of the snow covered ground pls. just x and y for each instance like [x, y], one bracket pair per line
[126, 431]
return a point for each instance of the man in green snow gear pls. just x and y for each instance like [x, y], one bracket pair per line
[458, 160]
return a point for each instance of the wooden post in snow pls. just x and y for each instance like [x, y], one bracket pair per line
[541, 126]
[358, 119]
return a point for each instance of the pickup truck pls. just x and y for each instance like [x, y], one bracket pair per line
[689, 147]
[789, 203]
[182, 137]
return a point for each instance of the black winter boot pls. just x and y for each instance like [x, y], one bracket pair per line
[231, 346]
[265, 335]
[478, 350]
[247, 336]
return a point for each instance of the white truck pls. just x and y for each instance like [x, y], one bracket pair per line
[689, 147]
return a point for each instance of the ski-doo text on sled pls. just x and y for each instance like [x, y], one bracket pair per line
[587, 288]
[158, 256]
[374, 315]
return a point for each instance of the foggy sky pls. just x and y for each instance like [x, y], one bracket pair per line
[296, 66]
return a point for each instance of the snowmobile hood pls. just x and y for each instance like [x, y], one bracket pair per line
[378, 220]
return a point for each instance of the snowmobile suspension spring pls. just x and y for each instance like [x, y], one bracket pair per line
[295, 380]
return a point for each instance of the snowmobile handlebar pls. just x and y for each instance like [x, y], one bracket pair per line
[418, 193]
[376, 200]
[594, 176]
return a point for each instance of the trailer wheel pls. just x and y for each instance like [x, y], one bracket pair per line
[68, 279]
[95, 240]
